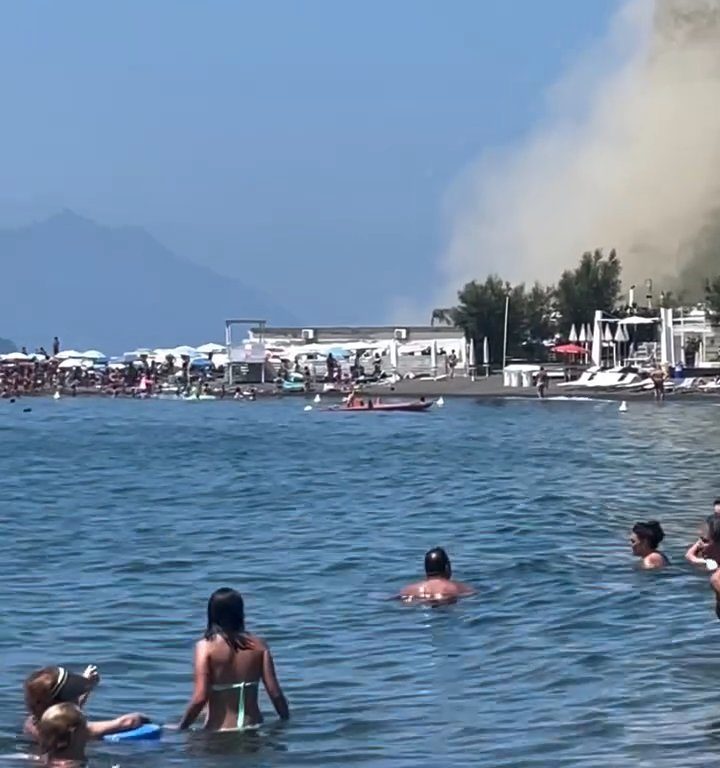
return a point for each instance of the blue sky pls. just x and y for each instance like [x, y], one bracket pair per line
[305, 148]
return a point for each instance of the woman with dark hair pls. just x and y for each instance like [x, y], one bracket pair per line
[711, 551]
[229, 664]
[645, 540]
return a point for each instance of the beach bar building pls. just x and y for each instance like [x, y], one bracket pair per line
[405, 351]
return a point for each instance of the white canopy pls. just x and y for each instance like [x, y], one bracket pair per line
[68, 353]
[17, 357]
[93, 354]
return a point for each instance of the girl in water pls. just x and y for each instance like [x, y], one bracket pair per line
[697, 555]
[712, 552]
[645, 540]
[229, 664]
[55, 685]
[63, 733]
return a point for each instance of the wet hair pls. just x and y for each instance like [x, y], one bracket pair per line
[716, 503]
[437, 563]
[651, 531]
[226, 618]
[58, 726]
[713, 528]
[42, 689]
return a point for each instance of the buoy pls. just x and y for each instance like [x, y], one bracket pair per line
[440, 402]
[56, 396]
[307, 408]
[27, 410]
[623, 407]
[12, 399]
[316, 399]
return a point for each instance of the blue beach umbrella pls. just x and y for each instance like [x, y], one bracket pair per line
[200, 362]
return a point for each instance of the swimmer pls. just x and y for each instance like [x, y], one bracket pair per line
[229, 664]
[716, 507]
[438, 586]
[696, 553]
[63, 734]
[644, 540]
[55, 685]
[712, 552]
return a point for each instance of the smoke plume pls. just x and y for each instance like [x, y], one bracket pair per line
[628, 157]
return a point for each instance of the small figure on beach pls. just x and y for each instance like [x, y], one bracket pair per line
[452, 362]
[229, 665]
[645, 540]
[438, 586]
[541, 381]
[55, 685]
[56, 347]
[63, 734]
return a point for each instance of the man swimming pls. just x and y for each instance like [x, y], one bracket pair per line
[438, 586]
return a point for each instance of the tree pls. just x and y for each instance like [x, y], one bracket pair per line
[712, 297]
[481, 313]
[538, 316]
[442, 316]
[594, 284]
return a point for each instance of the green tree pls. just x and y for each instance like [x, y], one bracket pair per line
[593, 284]
[712, 297]
[538, 317]
[481, 313]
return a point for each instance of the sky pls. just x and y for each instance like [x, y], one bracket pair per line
[306, 148]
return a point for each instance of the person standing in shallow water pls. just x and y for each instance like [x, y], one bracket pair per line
[438, 586]
[645, 539]
[229, 664]
[711, 551]
[541, 382]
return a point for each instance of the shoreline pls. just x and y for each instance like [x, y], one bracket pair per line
[490, 388]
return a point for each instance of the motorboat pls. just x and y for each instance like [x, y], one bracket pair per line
[369, 406]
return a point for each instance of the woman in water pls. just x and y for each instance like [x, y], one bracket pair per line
[696, 554]
[645, 540]
[54, 685]
[63, 734]
[711, 551]
[229, 664]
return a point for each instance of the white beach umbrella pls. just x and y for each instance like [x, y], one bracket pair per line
[573, 335]
[211, 348]
[471, 353]
[185, 351]
[608, 335]
[16, 357]
[71, 362]
[393, 354]
[619, 335]
[220, 359]
[589, 334]
[582, 337]
[625, 333]
[433, 357]
[68, 353]
[93, 354]
[486, 351]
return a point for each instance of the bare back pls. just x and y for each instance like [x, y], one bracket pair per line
[435, 590]
[228, 680]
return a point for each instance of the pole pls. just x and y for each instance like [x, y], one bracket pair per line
[505, 335]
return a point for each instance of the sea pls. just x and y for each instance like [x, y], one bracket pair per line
[118, 518]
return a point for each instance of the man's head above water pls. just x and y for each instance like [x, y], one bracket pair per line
[437, 564]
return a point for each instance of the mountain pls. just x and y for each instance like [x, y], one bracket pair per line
[7, 346]
[113, 288]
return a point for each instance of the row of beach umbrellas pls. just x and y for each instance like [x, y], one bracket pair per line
[621, 335]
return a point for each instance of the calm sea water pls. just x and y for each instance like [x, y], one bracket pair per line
[119, 518]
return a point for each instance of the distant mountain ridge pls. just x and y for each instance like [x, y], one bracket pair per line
[113, 288]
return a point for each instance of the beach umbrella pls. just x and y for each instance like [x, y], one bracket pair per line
[200, 362]
[486, 352]
[589, 334]
[393, 354]
[433, 357]
[211, 348]
[582, 337]
[93, 354]
[185, 351]
[16, 357]
[68, 353]
[619, 336]
[569, 349]
[573, 335]
[608, 335]
[71, 362]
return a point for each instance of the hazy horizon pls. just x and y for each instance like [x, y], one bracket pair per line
[306, 150]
